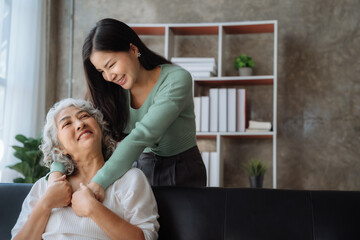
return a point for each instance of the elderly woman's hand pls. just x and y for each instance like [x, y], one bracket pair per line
[53, 177]
[83, 201]
[58, 194]
[97, 190]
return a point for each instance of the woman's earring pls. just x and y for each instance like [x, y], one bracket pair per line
[139, 54]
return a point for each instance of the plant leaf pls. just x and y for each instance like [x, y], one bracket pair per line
[243, 61]
[31, 144]
[255, 167]
[29, 179]
[22, 167]
[19, 180]
[21, 138]
[18, 148]
[34, 156]
[21, 154]
[31, 158]
[40, 171]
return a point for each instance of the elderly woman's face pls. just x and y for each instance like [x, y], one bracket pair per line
[77, 131]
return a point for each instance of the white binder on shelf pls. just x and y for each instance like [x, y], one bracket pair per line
[214, 170]
[214, 109]
[241, 110]
[205, 114]
[231, 110]
[197, 109]
[222, 110]
[192, 60]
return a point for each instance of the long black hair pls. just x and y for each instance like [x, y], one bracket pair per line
[113, 35]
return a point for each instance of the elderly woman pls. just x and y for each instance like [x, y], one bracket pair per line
[75, 134]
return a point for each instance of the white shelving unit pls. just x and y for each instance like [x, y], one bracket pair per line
[170, 31]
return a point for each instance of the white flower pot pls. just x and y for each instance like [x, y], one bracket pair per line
[246, 71]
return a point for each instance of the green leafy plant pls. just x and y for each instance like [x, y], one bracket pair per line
[255, 168]
[243, 61]
[31, 160]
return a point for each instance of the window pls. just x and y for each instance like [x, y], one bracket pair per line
[5, 18]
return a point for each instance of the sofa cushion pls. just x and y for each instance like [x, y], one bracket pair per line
[191, 213]
[336, 215]
[261, 213]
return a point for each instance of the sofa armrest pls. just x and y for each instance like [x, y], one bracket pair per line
[12, 196]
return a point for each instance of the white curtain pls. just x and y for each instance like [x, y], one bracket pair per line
[25, 89]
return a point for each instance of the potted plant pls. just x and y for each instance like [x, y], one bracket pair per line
[31, 160]
[244, 64]
[256, 172]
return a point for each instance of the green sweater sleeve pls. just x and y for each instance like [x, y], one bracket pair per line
[170, 99]
[57, 167]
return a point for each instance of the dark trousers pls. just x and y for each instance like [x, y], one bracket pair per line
[184, 169]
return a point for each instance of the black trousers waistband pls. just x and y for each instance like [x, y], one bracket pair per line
[183, 169]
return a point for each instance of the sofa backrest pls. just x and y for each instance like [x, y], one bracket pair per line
[232, 213]
[225, 213]
[12, 196]
[248, 214]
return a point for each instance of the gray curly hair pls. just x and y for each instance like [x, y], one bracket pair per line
[50, 142]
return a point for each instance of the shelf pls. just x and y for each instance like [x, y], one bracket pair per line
[153, 30]
[205, 28]
[188, 30]
[248, 80]
[213, 41]
[250, 28]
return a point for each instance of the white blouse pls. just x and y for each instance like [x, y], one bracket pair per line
[130, 197]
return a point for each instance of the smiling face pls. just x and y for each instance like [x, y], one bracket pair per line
[121, 68]
[78, 132]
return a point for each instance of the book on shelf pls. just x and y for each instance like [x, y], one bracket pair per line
[205, 114]
[241, 110]
[195, 67]
[201, 74]
[198, 67]
[192, 60]
[231, 94]
[206, 159]
[214, 109]
[197, 110]
[256, 130]
[214, 170]
[256, 126]
[259, 125]
[202, 66]
[222, 110]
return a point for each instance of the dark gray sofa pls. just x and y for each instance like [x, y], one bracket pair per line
[230, 213]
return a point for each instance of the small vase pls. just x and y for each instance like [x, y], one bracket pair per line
[256, 181]
[245, 71]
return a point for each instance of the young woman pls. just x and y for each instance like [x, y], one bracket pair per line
[149, 105]
[76, 135]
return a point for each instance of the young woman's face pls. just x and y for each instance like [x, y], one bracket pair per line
[121, 68]
[77, 132]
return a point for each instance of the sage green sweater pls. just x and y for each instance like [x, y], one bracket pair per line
[164, 124]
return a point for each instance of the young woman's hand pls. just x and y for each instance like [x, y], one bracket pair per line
[83, 201]
[98, 191]
[58, 194]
